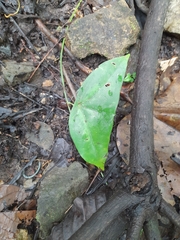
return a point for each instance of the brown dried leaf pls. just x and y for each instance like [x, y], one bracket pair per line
[165, 187]
[167, 63]
[26, 216]
[8, 223]
[171, 119]
[9, 194]
[169, 101]
[166, 143]
[123, 138]
[10, 220]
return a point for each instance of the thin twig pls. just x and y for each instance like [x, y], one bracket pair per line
[69, 83]
[41, 62]
[19, 29]
[29, 98]
[22, 115]
[95, 176]
[79, 64]
[61, 72]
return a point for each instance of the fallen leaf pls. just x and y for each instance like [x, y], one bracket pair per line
[91, 118]
[10, 220]
[8, 223]
[169, 101]
[9, 194]
[167, 105]
[164, 64]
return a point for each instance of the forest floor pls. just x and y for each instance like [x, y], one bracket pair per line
[39, 103]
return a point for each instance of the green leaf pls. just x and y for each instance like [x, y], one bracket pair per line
[130, 77]
[91, 118]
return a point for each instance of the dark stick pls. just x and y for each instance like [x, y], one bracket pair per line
[142, 139]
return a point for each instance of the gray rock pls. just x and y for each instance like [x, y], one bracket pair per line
[172, 23]
[14, 73]
[6, 50]
[60, 152]
[58, 190]
[44, 138]
[109, 31]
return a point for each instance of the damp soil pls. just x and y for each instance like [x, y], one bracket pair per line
[41, 99]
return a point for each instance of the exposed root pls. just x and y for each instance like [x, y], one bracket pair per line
[169, 211]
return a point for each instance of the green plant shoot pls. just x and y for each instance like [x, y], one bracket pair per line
[130, 77]
[91, 118]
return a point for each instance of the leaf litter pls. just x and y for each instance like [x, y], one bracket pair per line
[11, 197]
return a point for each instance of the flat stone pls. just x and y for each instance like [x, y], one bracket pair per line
[109, 31]
[58, 190]
[16, 72]
[172, 23]
[44, 138]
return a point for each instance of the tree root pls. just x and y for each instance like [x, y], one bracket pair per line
[170, 213]
[102, 219]
[141, 216]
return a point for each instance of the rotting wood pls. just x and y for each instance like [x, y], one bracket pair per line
[142, 159]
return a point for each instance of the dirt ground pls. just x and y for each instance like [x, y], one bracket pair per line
[40, 99]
